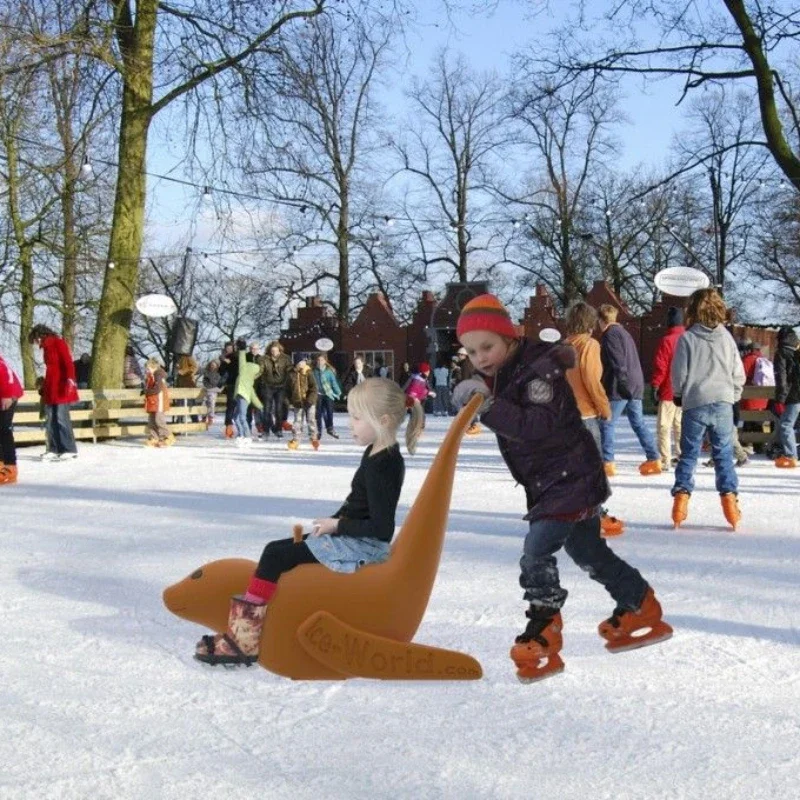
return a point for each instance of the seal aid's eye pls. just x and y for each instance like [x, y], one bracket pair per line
[198, 573]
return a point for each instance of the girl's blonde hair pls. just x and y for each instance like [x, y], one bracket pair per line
[706, 307]
[153, 364]
[376, 398]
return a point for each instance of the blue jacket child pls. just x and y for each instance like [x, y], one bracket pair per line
[530, 407]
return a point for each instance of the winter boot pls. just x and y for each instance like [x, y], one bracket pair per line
[8, 474]
[315, 444]
[536, 650]
[151, 441]
[680, 509]
[785, 462]
[293, 444]
[167, 441]
[229, 432]
[332, 433]
[730, 508]
[239, 645]
[286, 426]
[610, 526]
[650, 467]
[609, 469]
[627, 630]
[474, 429]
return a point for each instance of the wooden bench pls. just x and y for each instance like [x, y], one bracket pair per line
[111, 413]
[761, 436]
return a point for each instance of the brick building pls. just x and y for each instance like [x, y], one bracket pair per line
[431, 334]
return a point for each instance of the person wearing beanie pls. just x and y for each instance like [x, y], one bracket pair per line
[417, 388]
[529, 405]
[668, 422]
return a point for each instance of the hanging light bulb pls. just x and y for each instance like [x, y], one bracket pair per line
[389, 221]
[111, 265]
[207, 196]
[86, 167]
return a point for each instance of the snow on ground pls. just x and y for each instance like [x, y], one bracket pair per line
[100, 696]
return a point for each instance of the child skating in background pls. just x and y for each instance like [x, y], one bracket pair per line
[359, 533]
[156, 403]
[530, 407]
[301, 389]
[707, 379]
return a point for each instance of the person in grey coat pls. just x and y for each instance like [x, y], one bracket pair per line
[707, 379]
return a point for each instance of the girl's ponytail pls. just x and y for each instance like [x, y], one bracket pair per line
[415, 426]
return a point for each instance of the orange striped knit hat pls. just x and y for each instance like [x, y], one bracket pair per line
[485, 313]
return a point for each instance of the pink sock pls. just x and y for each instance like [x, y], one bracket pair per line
[259, 591]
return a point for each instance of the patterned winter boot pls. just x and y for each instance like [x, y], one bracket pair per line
[8, 474]
[536, 650]
[680, 509]
[239, 645]
[627, 630]
[730, 508]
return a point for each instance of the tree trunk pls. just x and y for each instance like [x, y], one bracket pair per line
[70, 271]
[127, 225]
[342, 245]
[27, 304]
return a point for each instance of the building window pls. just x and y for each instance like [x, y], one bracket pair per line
[371, 357]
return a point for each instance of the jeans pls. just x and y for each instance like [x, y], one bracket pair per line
[58, 429]
[240, 417]
[633, 410]
[274, 408]
[717, 419]
[324, 413]
[8, 451]
[585, 546]
[786, 432]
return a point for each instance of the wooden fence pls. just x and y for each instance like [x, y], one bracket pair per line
[111, 413]
[116, 413]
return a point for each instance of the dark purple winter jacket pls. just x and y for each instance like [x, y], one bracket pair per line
[622, 369]
[541, 436]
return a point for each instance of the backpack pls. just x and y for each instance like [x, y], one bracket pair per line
[763, 372]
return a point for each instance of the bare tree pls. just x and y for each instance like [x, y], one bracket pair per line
[568, 131]
[314, 152]
[453, 151]
[146, 46]
[710, 42]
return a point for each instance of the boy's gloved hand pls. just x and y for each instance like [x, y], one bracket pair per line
[469, 387]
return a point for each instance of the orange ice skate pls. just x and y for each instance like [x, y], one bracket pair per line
[535, 651]
[680, 509]
[730, 508]
[627, 630]
[650, 467]
[315, 444]
[785, 462]
[609, 469]
[611, 526]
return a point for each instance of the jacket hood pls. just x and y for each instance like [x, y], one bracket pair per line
[787, 337]
[709, 334]
[544, 355]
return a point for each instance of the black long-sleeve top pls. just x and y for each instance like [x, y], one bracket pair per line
[369, 509]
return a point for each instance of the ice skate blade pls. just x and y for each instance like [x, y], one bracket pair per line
[539, 676]
[533, 671]
[656, 635]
